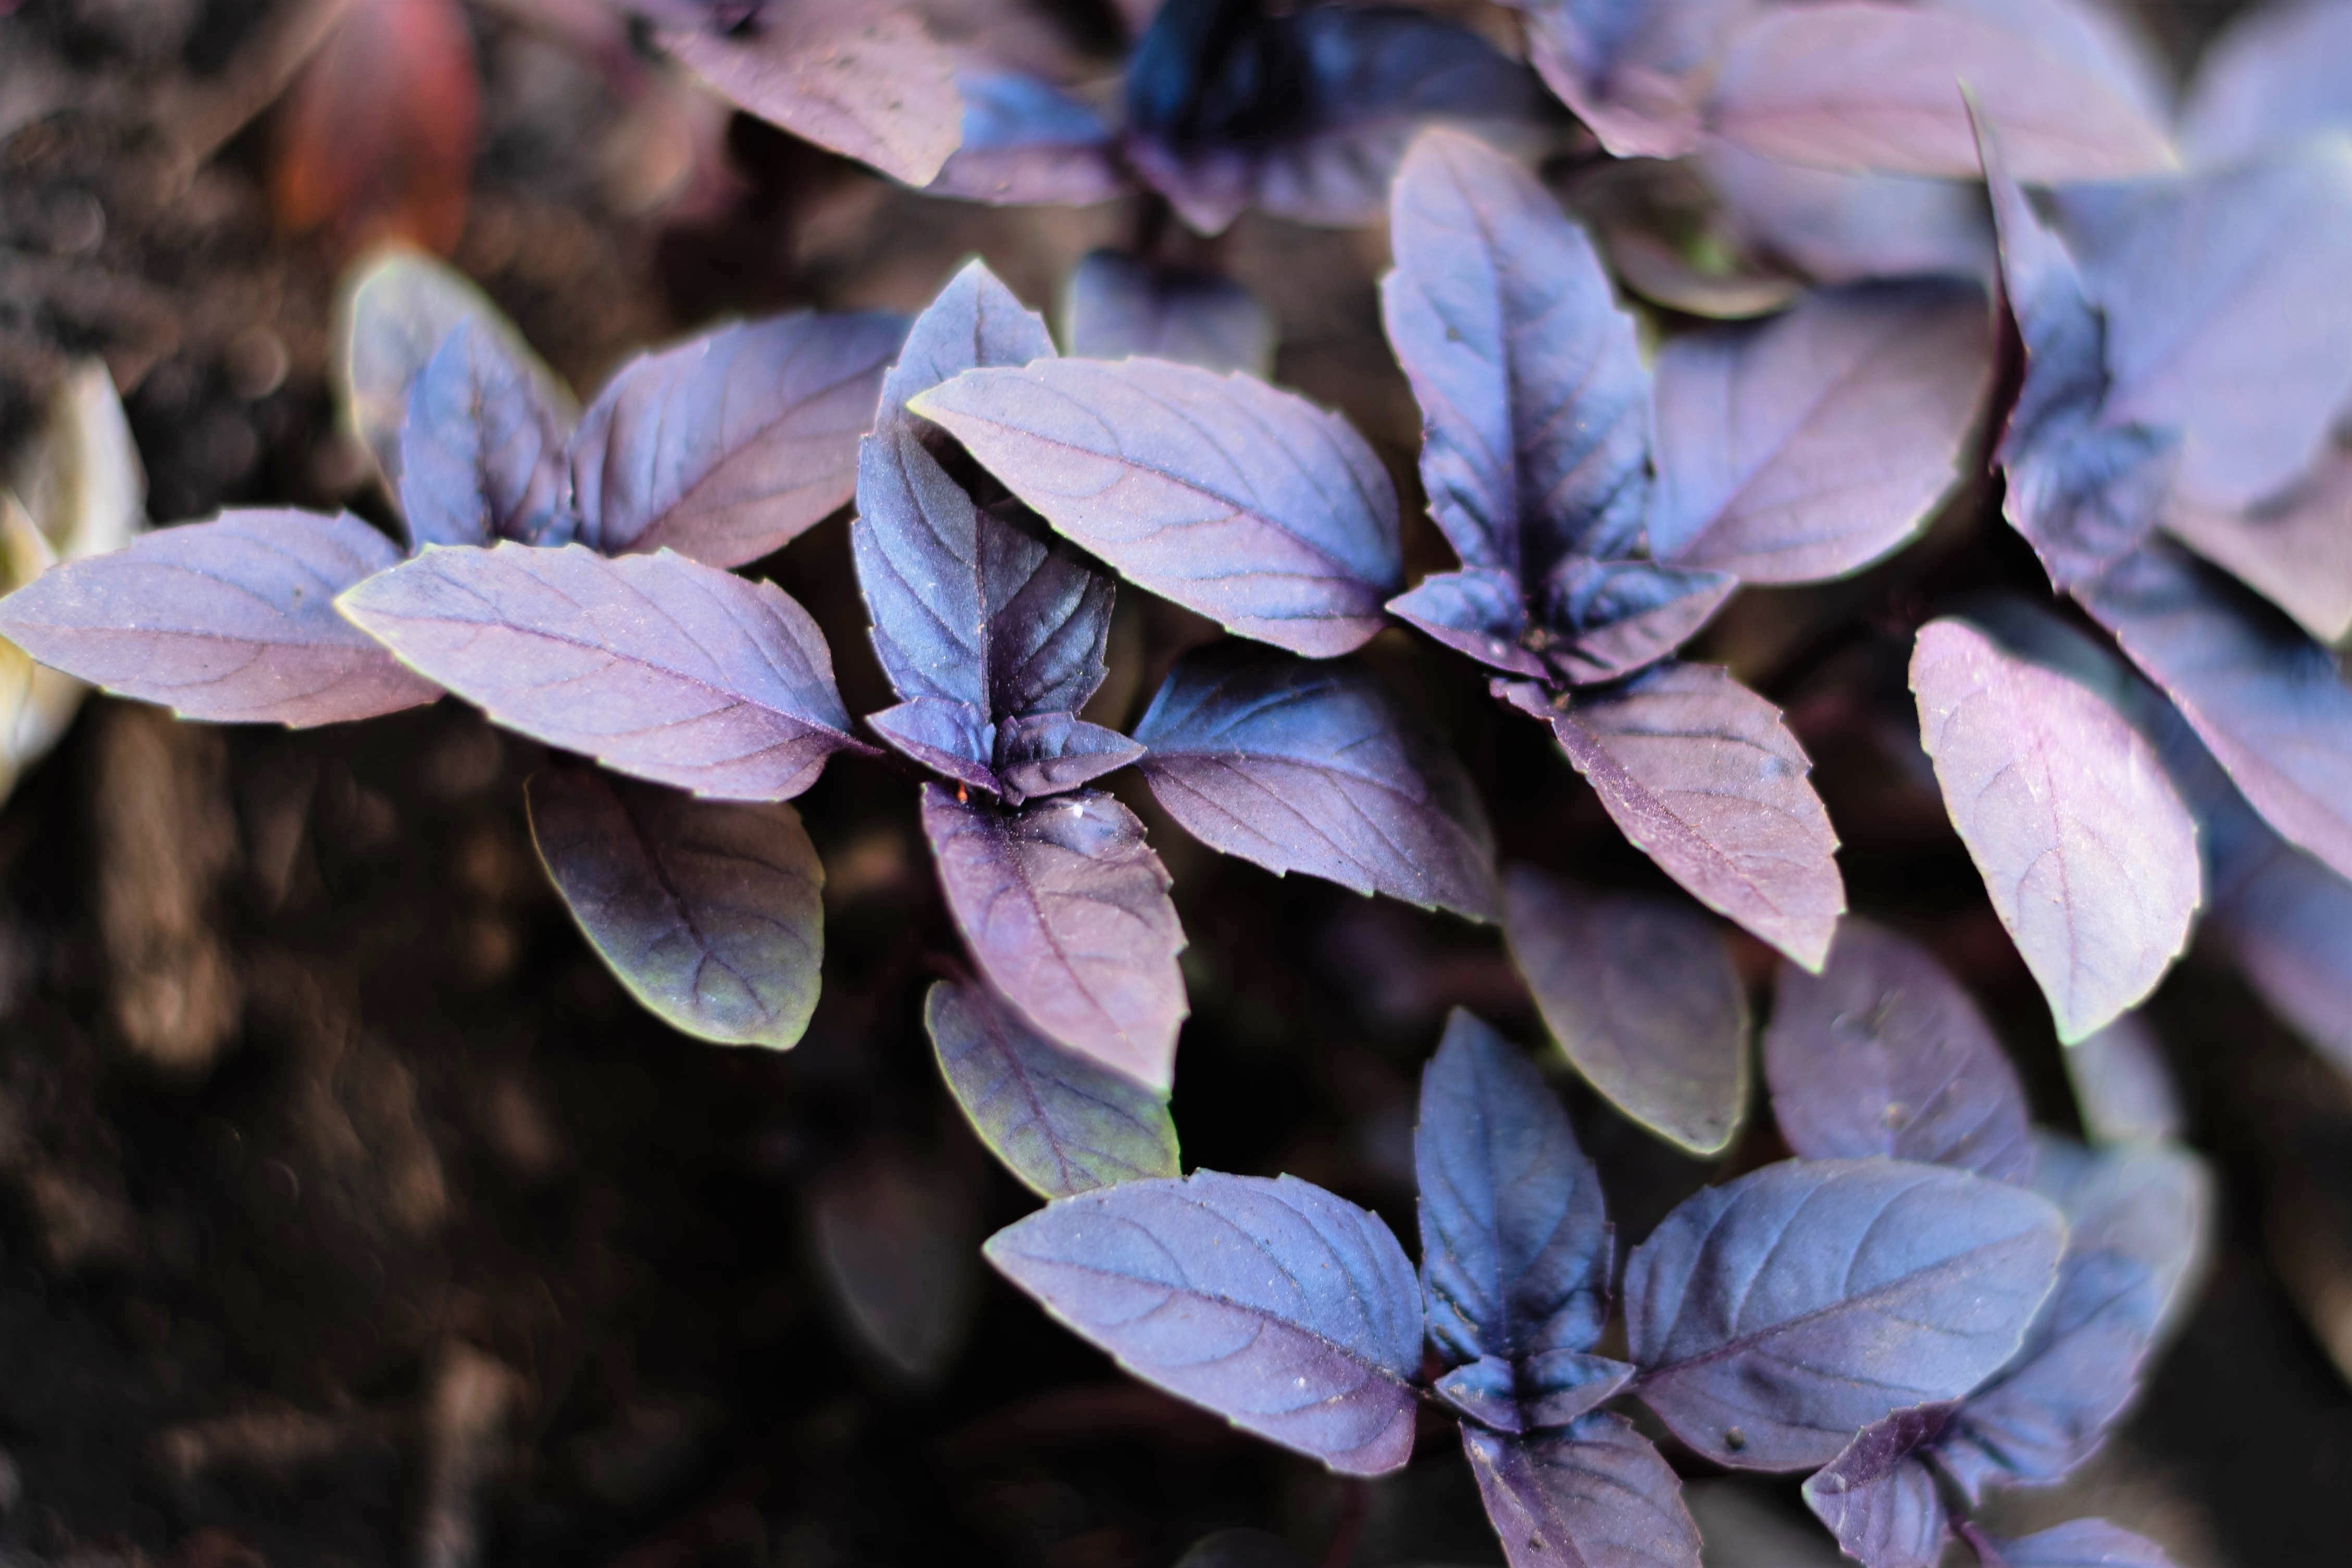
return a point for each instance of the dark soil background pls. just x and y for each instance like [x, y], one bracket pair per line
[350, 1213]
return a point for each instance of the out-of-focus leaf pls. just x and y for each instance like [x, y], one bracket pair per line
[731, 444]
[2289, 925]
[894, 1230]
[856, 77]
[1809, 445]
[1633, 70]
[2270, 703]
[2295, 548]
[1289, 1312]
[1240, 1548]
[1028, 143]
[655, 665]
[1598, 1495]
[711, 912]
[2087, 851]
[481, 455]
[2271, 79]
[232, 620]
[1060, 1122]
[1116, 305]
[1316, 767]
[2105, 39]
[2122, 1088]
[2078, 1544]
[1703, 777]
[2153, 1202]
[1066, 909]
[1252, 506]
[1851, 228]
[1883, 1054]
[1879, 1500]
[1775, 1317]
[1642, 996]
[1609, 618]
[1863, 85]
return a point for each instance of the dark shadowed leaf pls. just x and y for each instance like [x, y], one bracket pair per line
[1809, 445]
[1045, 753]
[728, 446]
[1534, 402]
[2271, 703]
[1866, 84]
[2078, 1544]
[1116, 305]
[1316, 767]
[1061, 1123]
[952, 739]
[1249, 505]
[232, 620]
[1879, 1498]
[711, 912]
[1480, 611]
[2295, 548]
[1282, 1308]
[862, 80]
[1609, 618]
[973, 321]
[655, 665]
[2289, 925]
[894, 1228]
[1240, 1548]
[1777, 1316]
[2087, 851]
[481, 454]
[1633, 70]
[1883, 1053]
[1597, 1495]
[1641, 995]
[1066, 909]
[1515, 1236]
[2123, 1088]
[1026, 142]
[1705, 779]
[2273, 77]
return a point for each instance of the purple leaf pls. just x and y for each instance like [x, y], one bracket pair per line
[1543, 1392]
[2273, 77]
[1596, 1496]
[1702, 777]
[2153, 1202]
[2269, 702]
[1865, 85]
[1883, 1053]
[2103, 39]
[1641, 995]
[1478, 611]
[1777, 1316]
[711, 913]
[1046, 753]
[729, 444]
[655, 665]
[1515, 1238]
[1066, 912]
[1027, 143]
[1116, 305]
[1609, 618]
[1061, 1123]
[2123, 1090]
[1809, 444]
[952, 738]
[973, 322]
[1850, 229]
[2087, 851]
[1316, 767]
[232, 620]
[481, 452]
[893, 1229]
[2289, 925]
[2078, 1544]
[1252, 506]
[1534, 402]
[859, 79]
[2295, 549]
[1879, 1500]
[1289, 1312]
[1633, 70]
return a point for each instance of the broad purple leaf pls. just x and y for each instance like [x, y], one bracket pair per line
[2123, 1090]
[2153, 1202]
[973, 322]
[1879, 1498]
[1289, 1312]
[1633, 70]
[1027, 143]
[1850, 229]
[2087, 851]
[2295, 548]
[711, 912]
[1252, 506]
[2105, 39]
[1057, 1121]
[1641, 995]
[1777, 1316]
[2271, 703]
[1066, 909]
[1598, 1495]
[655, 665]
[1809, 445]
[1605, 619]
[1516, 1243]
[2078, 1544]
[2275, 77]
[1116, 305]
[2289, 925]
[232, 620]
[481, 452]
[1316, 767]
[862, 79]
[2227, 318]
[1535, 402]
[1883, 1054]
[1046, 753]
[1704, 778]
[1866, 84]
[731, 444]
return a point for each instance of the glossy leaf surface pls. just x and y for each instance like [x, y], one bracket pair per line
[1282, 1308]
[655, 665]
[711, 912]
[1598, 1495]
[1879, 1500]
[1116, 305]
[1642, 996]
[232, 620]
[1777, 1316]
[481, 453]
